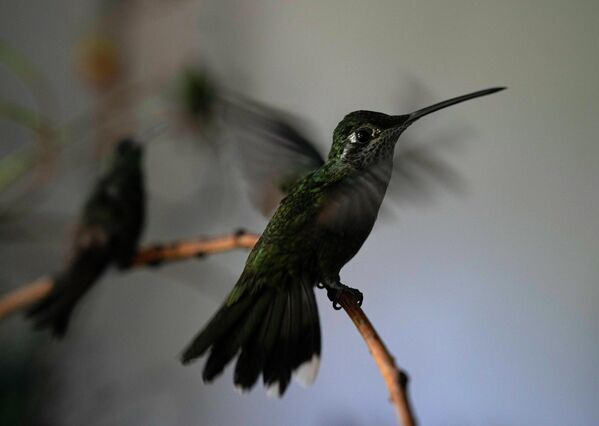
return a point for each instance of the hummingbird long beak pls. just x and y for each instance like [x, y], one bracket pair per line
[436, 107]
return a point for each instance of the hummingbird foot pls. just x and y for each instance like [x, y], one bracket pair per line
[335, 289]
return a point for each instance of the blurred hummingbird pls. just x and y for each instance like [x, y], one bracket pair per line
[108, 232]
[270, 318]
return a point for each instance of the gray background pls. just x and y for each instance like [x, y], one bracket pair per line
[488, 297]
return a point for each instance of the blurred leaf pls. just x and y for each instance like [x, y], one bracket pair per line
[20, 65]
[14, 166]
[23, 116]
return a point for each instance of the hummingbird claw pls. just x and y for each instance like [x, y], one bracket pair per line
[335, 291]
[319, 285]
[359, 298]
[334, 296]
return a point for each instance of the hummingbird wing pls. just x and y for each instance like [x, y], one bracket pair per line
[353, 204]
[415, 173]
[419, 171]
[273, 151]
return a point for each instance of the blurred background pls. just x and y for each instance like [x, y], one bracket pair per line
[482, 280]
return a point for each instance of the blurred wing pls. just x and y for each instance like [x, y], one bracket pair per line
[415, 172]
[354, 204]
[273, 152]
[419, 171]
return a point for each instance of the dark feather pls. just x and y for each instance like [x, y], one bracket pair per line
[276, 367]
[227, 347]
[219, 326]
[254, 353]
[54, 311]
[273, 328]
[309, 344]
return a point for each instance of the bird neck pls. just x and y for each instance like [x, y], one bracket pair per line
[333, 171]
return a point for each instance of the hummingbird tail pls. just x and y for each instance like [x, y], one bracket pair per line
[276, 332]
[54, 311]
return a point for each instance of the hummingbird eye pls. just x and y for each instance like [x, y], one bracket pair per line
[363, 135]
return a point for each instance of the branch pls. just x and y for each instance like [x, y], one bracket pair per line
[395, 378]
[181, 250]
[154, 255]
[25, 296]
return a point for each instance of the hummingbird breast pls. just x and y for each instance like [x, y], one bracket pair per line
[321, 225]
[348, 216]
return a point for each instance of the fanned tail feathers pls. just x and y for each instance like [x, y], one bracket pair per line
[275, 331]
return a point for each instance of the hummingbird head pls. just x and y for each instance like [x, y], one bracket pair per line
[127, 155]
[197, 92]
[363, 138]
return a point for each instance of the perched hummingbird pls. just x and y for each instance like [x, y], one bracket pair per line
[108, 233]
[270, 318]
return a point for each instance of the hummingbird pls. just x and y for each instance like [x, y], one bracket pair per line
[109, 228]
[270, 318]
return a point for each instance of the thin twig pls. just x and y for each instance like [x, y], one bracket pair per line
[200, 247]
[395, 378]
[25, 296]
[154, 255]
